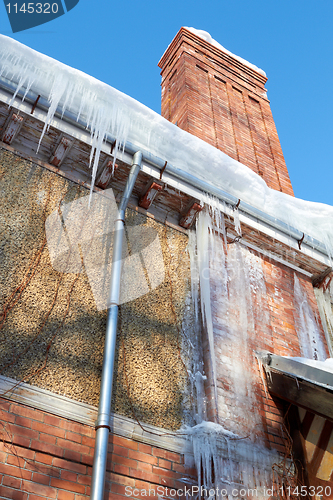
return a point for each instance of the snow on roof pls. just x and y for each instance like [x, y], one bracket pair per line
[208, 38]
[108, 111]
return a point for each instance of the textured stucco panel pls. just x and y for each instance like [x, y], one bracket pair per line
[52, 334]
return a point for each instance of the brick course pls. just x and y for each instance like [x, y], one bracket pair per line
[31, 468]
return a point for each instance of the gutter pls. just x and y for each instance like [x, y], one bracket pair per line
[104, 409]
[201, 185]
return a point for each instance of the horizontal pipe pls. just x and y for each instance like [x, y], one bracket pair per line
[202, 185]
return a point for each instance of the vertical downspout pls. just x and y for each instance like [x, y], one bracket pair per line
[104, 409]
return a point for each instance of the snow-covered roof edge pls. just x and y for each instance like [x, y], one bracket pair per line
[108, 111]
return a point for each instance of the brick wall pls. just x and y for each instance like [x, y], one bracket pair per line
[217, 98]
[45, 456]
[248, 320]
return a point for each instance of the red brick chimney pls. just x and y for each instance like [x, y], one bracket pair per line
[222, 100]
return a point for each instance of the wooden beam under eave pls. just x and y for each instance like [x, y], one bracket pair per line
[187, 220]
[105, 174]
[12, 127]
[150, 192]
[61, 151]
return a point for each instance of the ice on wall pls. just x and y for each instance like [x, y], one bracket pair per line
[206, 251]
[232, 291]
[107, 110]
[239, 333]
[204, 242]
[324, 296]
[229, 453]
[197, 376]
[231, 467]
[308, 330]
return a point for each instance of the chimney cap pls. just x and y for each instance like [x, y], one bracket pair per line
[206, 37]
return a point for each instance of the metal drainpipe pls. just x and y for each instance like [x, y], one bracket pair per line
[104, 409]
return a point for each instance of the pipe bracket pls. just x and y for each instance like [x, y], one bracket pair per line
[235, 240]
[300, 241]
[34, 105]
[112, 303]
[235, 207]
[162, 169]
[102, 427]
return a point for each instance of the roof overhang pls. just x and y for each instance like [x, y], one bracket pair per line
[299, 383]
[172, 204]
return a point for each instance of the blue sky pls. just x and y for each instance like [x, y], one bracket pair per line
[121, 43]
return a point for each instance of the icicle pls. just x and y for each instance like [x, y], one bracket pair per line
[325, 300]
[191, 248]
[237, 222]
[57, 91]
[22, 81]
[234, 279]
[230, 464]
[308, 332]
[204, 235]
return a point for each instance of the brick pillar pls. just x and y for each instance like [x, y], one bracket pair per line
[216, 97]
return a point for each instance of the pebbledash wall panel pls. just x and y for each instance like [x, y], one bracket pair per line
[52, 337]
[53, 333]
[223, 101]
